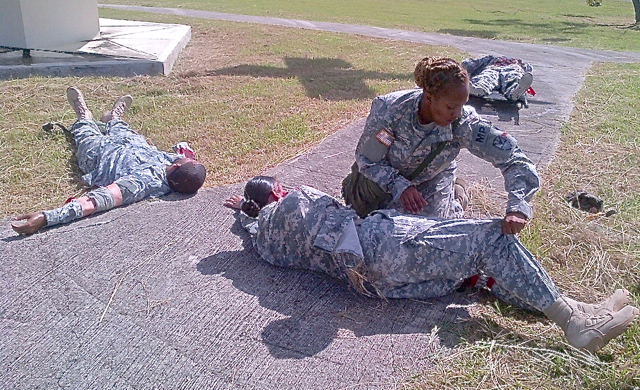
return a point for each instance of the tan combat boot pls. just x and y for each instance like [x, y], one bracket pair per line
[615, 302]
[589, 332]
[75, 98]
[119, 107]
[460, 193]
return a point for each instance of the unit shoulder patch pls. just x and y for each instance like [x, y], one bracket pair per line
[503, 142]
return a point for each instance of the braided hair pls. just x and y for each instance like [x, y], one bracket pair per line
[256, 194]
[435, 74]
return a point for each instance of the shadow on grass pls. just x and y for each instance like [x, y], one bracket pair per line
[549, 30]
[56, 134]
[326, 78]
[578, 16]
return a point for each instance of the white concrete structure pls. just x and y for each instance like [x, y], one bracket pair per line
[125, 48]
[47, 24]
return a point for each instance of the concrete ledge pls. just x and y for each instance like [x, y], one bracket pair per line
[124, 48]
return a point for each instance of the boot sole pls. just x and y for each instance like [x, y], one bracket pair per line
[525, 82]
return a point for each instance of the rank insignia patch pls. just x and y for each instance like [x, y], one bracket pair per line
[385, 137]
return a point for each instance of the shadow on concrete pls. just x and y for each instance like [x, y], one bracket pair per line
[313, 322]
[506, 111]
[327, 78]
[486, 34]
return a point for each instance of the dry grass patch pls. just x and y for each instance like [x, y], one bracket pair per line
[246, 97]
[587, 255]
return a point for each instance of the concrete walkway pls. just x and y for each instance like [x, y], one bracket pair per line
[169, 294]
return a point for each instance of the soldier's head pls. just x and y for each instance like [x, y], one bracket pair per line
[446, 89]
[186, 175]
[259, 192]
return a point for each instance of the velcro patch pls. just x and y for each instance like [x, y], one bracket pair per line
[385, 137]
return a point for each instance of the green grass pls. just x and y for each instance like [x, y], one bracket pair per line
[567, 23]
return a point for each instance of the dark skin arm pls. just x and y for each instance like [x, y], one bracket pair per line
[33, 222]
[412, 200]
[235, 202]
[513, 223]
[414, 203]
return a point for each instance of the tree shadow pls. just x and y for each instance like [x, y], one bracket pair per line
[326, 78]
[317, 307]
[486, 34]
[549, 29]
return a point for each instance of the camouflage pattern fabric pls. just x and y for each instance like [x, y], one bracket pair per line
[123, 157]
[402, 256]
[491, 73]
[395, 116]
[119, 156]
[65, 214]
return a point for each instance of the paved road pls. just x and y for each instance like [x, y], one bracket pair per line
[169, 294]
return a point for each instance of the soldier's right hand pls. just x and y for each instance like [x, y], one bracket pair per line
[235, 202]
[29, 223]
[412, 200]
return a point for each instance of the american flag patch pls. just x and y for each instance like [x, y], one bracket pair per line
[385, 137]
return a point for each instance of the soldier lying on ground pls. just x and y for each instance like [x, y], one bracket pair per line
[392, 255]
[405, 158]
[510, 77]
[124, 167]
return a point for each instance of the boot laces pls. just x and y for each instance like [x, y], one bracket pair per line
[597, 321]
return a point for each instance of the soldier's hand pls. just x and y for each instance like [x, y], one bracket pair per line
[513, 223]
[412, 200]
[235, 202]
[29, 223]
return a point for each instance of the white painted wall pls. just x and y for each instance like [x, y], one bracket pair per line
[47, 24]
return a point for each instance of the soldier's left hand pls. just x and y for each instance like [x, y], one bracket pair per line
[513, 223]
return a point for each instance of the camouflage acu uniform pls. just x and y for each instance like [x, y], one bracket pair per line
[120, 156]
[500, 74]
[394, 143]
[395, 255]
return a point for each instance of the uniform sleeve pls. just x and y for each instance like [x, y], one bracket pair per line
[65, 214]
[101, 197]
[525, 66]
[371, 152]
[248, 223]
[521, 180]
